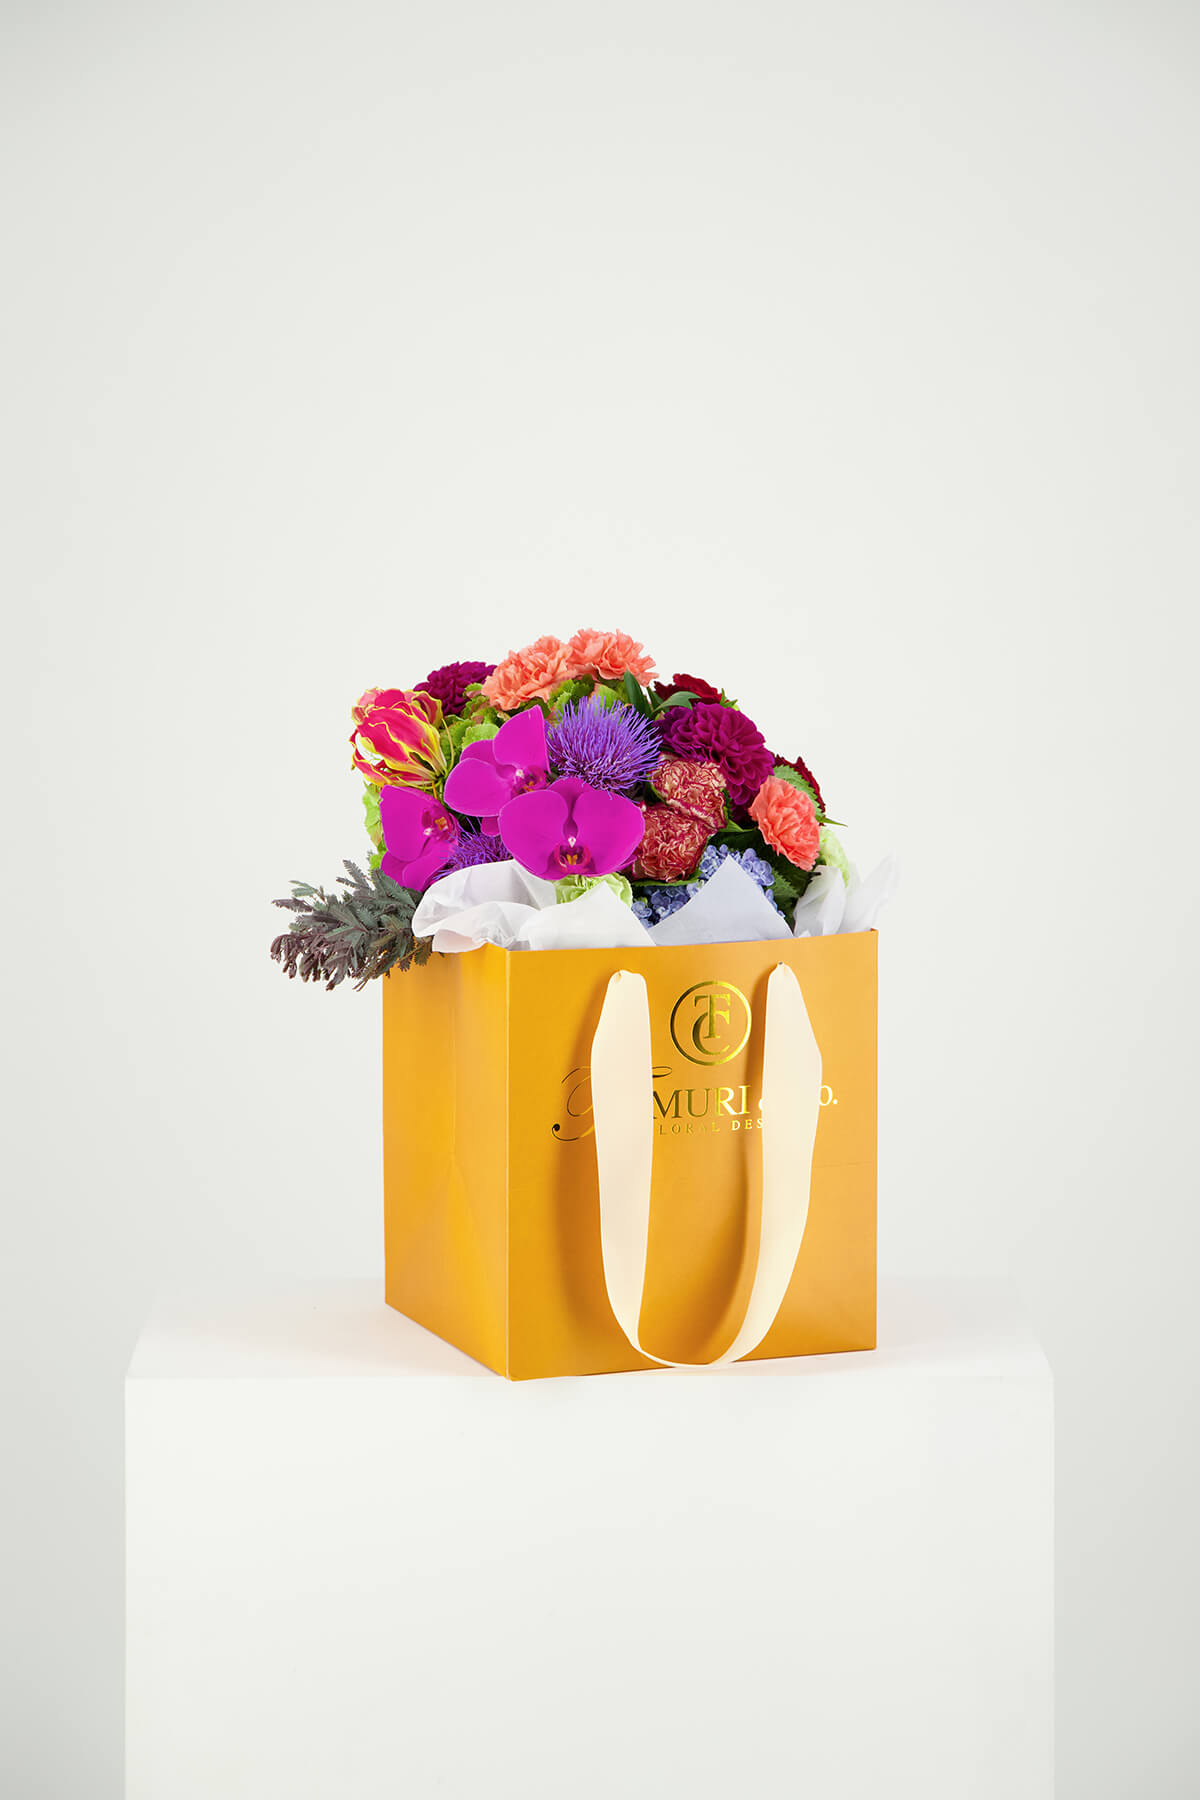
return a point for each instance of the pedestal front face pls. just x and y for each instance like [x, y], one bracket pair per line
[360, 1566]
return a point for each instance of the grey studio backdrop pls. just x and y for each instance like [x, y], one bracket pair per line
[846, 354]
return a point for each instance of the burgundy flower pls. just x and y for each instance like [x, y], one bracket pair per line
[708, 733]
[450, 683]
[696, 789]
[492, 771]
[671, 846]
[688, 684]
[802, 769]
[569, 828]
[420, 836]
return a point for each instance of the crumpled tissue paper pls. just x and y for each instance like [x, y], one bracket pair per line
[501, 903]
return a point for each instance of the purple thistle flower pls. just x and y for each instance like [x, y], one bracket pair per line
[610, 747]
[473, 848]
[450, 683]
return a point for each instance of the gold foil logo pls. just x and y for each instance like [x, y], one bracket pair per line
[710, 1023]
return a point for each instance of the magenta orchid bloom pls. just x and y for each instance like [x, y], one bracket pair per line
[570, 828]
[420, 835]
[493, 771]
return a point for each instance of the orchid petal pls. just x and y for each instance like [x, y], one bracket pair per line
[610, 826]
[532, 828]
[474, 785]
[403, 815]
[522, 742]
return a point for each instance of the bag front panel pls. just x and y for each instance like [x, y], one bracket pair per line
[706, 1008]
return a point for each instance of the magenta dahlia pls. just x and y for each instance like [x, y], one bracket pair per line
[708, 733]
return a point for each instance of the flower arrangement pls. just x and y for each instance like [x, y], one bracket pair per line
[572, 759]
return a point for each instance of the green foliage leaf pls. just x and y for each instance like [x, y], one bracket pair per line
[796, 780]
[637, 695]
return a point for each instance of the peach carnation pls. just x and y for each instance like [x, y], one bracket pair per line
[607, 655]
[787, 819]
[528, 674]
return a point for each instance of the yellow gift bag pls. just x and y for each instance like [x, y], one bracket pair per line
[610, 1159]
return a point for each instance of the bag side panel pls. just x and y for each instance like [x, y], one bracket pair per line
[444, 1117]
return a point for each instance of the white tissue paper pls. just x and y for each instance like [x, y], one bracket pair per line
[730, 908]
[501, 903]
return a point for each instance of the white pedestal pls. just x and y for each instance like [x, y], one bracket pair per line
[361, 1566]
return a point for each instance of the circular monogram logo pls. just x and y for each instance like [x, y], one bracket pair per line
[710, 1022]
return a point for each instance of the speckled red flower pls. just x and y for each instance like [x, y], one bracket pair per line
[788, 821]
[708, 733]
[671, 846]
[688, 684]
[696, 789]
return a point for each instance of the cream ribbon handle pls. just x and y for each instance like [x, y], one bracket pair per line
[622, 1110]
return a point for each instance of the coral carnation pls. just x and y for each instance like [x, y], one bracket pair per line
[787, 819]
[451, 681]
[708, 733]
[528, 674]
[608, 654]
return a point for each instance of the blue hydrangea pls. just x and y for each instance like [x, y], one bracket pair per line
[755, 866]
[668, 900]
[660, 903]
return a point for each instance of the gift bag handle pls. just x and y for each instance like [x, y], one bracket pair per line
[622, 1086]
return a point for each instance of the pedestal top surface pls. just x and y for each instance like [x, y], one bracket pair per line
[342, 1329]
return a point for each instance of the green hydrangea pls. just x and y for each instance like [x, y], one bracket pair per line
[833, 855]
[461, 732]
[371, 809]
[573, 886]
